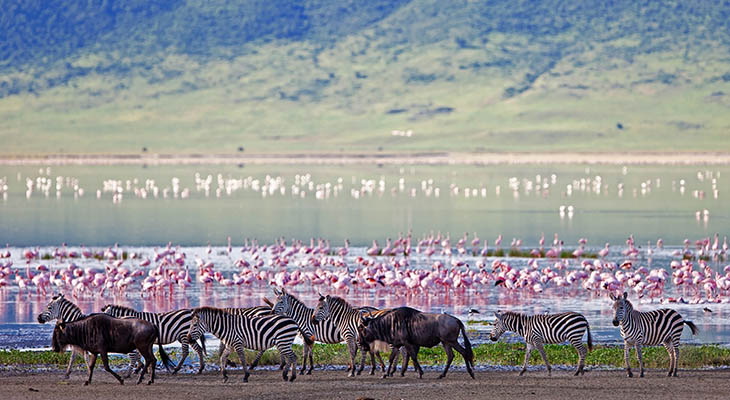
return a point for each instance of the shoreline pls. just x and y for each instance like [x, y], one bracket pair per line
[419, 158]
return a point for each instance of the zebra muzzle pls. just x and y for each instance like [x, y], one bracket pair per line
[615, 322]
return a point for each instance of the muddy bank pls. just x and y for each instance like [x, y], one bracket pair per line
[335, 385]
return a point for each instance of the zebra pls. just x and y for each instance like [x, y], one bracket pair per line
[324, 332]
[650, 328]
[238, 332]
[173, 326]
[546, 328]
[65, 310]
[346, 318]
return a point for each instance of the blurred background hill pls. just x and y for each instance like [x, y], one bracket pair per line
[273, 76]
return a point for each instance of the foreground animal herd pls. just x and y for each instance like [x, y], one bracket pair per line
[402, 331]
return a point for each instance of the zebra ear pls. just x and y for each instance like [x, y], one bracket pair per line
[626, 295]
[276, 291]
[498, 314]
[283, 291]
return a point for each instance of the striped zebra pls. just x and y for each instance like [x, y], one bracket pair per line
[651, 328]
[544, 329]
[325, 331]
[62, 309]
[346, 318]
[173, 326]
[239, 332]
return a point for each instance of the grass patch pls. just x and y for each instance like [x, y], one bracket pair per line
[490, 354]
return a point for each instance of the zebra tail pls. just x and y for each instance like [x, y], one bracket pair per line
[467, 345]
[163, 354]
[590, 339]
[692, 326]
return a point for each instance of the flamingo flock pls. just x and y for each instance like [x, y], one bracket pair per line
[432, 267]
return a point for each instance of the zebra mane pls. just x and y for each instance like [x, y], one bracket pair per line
[122, 308]
[339, 302]
[296, 301]
[210, 310]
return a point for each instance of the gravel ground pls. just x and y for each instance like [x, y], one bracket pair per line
[692, 384]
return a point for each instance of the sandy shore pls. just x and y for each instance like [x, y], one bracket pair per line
[374, 159]
[335, 385]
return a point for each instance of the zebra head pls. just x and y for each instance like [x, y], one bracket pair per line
[198, 325]
[621, 308]
[283, 304]
[53, 310]
[499, 327]
[322, 311]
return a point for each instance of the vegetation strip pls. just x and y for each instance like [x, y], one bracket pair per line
[508, 354]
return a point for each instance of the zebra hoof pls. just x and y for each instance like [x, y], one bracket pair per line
[309, 372]
[629, 374]
[641, 375]
[292, 378]
[86, 383]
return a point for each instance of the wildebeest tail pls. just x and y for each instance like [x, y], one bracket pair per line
[590, 339]
[692, 326]
[163, 355]
[467, 345]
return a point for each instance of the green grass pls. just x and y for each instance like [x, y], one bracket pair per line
[486, 354]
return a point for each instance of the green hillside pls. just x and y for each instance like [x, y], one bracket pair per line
[340, 76]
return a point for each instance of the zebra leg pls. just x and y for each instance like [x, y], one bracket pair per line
[627, 352]
[258, 358]
[91, 366]
[581, 357]
[449, 359]
[641, 362]
[291, 361]
[185, 350]
[541, 349]
[242, 357]
[311, 360]
[413, 352]
[201, 356]
[670, 351]
[70, 363]
[353, 353]
[134, 363]
[527, 358]
[676, 357]
[224, 358]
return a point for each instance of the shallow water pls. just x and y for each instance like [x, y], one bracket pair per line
[18, 310]
[361, 203]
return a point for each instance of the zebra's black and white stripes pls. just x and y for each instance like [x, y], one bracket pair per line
[173, 326]
[650, 328]
[345, 317]
[62, 309]
[543, 329]
[239, 332]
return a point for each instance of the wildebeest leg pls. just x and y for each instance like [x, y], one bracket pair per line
[91, 368]
[390, 365]
[449, 359]
[527, 358]
[462, 351]
[242, 357]
[413, 352]
[311, 360]
[406, 359]
[150, 362]
[541, 349]
[224, 358]
[105, 360]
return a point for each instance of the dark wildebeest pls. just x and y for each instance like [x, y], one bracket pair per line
[411, 328]
[102, 334]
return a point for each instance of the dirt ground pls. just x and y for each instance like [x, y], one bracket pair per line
[335, 385]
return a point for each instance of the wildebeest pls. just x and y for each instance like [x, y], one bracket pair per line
[102, 334]
[411, 328]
